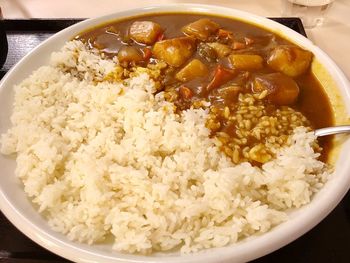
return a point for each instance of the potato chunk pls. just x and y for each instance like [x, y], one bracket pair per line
[145, 32]
[221, 50]
[192, 70]
[290, 60]
[281, 89]
[201, 29]
[246, 61]
[175, 51]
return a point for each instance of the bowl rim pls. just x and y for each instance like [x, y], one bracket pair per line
[245, 250]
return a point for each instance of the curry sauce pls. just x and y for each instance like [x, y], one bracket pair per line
[221, 62]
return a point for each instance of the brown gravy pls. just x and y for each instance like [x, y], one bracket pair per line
[312, 100]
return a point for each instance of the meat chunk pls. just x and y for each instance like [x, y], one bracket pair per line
[201, 29]
[221, 50]
[145, 32]
[246, 61]
[238, 45]
[206, 52]
[129, 54]
[227, 95]
[290, 60]
[192, 70]
[175, 51]
[281, 89]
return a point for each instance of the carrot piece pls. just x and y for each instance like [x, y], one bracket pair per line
[160, 37]
[222, 75]
[147, 53]
[185, 92]
[222, 33]
[238, 45]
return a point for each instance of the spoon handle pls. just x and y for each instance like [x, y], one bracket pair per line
[332, 130]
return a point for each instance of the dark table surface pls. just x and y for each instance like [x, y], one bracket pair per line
[329, 241]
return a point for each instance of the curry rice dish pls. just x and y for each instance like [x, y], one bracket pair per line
[161, 135]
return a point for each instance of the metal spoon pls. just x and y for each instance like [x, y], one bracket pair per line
[332, 130]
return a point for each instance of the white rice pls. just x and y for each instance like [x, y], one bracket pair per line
[107, 159]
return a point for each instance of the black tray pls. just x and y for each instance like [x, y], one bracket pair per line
[329, 241]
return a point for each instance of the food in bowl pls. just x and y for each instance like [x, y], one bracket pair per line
[238, 70]
[164, 135]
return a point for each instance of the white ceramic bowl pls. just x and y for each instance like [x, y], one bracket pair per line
[19, 210]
